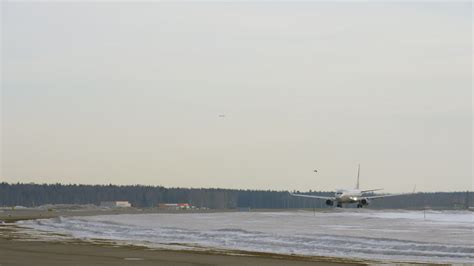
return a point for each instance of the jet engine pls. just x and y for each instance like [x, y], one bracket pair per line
[329, 202]
[364, 202]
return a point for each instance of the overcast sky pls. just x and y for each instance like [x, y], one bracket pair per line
[238, 95]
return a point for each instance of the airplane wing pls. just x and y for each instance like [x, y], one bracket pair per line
[371, 190]
[390, 195]
[387, 195]
[311, 196]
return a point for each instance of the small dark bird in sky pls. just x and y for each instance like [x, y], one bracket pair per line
[222, 116]
[315, 171]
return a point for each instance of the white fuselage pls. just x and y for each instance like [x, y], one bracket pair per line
[348, 196]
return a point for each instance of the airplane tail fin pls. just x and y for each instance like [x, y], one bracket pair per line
[358, 174]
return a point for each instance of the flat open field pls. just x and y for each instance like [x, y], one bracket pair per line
[334, 236]
[21, 246]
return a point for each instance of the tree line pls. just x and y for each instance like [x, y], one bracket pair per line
[31, 195]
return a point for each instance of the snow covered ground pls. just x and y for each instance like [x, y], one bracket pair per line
[390, 235]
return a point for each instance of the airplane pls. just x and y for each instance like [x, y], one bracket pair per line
[343, 196]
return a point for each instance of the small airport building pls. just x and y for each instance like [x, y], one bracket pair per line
[116, 204]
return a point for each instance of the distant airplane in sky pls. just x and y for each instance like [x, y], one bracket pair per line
[350, 195]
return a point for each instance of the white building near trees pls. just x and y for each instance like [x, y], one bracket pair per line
[116, 204]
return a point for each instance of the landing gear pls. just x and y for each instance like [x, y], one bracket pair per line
[359, 206]
[339, 205]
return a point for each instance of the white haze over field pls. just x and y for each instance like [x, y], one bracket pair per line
[238, 94]
[390, 236]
